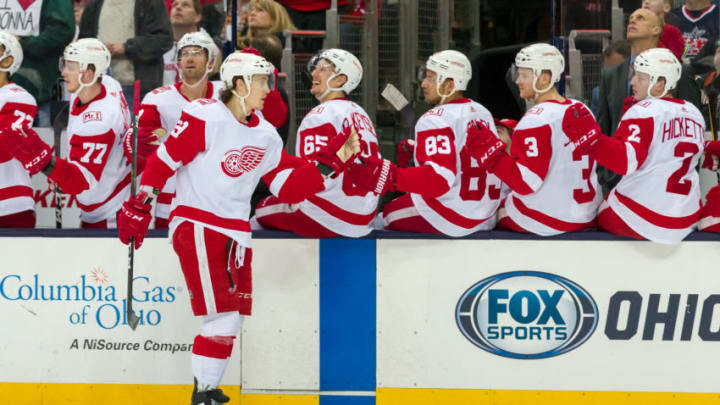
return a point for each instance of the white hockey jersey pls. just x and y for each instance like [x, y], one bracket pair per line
[161, 108]
[342, 207]
[555, 189]
[471, 203]
[219, 162]
[17, 108]
[659, 194]
[95, 134]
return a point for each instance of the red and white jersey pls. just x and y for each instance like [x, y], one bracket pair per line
[341, 207]
[472, 201]
[555, 189]
[219, 162]
[161, 108]
[659, 194]
[95, 135]
[17, 109]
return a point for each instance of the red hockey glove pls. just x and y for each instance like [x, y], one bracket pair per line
[711, 153]
[341, 149]
[628, 102]
[374, 174]
[27, 147]
[582, 129]
[147, 144]
[405, 152]
[484, 146]
[710, 216]
[134, 219]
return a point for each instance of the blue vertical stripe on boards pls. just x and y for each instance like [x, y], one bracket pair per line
[348, 271]
[346, 400]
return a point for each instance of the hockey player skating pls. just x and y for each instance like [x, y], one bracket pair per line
[446, 192]
[656, 149]
[17, 110]
[220, 150]
[96, 170]
[160, 109]
[341, 208]
[554, 185]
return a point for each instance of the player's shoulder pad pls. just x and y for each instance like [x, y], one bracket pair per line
[322, 114]
[94, 122]
[154, 97]
[205, 109]
[17, 94]
[642, 109]
[533, 118]
[434, 118]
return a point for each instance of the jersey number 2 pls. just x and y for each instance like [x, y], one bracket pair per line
[675, 183]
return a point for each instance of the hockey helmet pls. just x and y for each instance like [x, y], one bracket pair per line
[657, 63]
[12, 48]
[345, 63]
[450, 64]
[539, 57]
[85, 52]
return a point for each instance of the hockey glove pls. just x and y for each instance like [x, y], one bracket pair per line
[373, 174]
[134, 219]
[711, 153]
[484, 146]
[628, 102]
[341, 149]
[710, 216]
[405, 152]
[581, 128]
[147, 144]
[26, 146]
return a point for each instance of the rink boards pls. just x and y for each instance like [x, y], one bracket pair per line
[492, 319]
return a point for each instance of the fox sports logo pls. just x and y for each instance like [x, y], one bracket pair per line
[526, 315]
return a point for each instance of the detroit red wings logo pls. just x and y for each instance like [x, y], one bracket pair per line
[241, 161]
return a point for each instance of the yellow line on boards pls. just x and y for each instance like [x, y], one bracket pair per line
[392, 396]
[101, 394]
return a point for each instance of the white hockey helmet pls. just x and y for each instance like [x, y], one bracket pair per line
[200, 39]
[345, 63]
[245, 65]
[85, 52]
[659, 62]
[539, 57]
[12, 48]
[453, 65]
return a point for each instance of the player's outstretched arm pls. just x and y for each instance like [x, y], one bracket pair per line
[35, 156]
[525, 169]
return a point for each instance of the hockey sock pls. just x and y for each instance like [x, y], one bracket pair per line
[209, 359]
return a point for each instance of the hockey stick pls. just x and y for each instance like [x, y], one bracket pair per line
[396, 98]
[60, 123]
[133, 319]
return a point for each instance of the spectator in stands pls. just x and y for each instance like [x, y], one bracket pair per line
[265, 17]
[710, 83]
[698, 21]
[614, 54]
[662, 8]
[185, 16]
[275, 110]
[310, 15]
[39, 72]
[78, 7]
[213, 18]
[671, 38]
[137, 33]
[643, 32]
